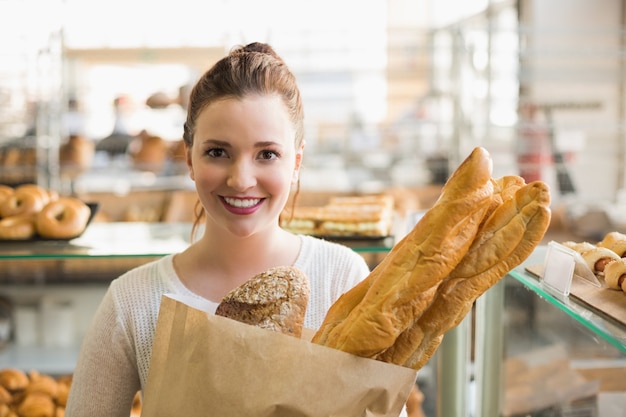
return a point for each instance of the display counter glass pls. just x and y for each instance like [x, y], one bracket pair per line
[133, 239]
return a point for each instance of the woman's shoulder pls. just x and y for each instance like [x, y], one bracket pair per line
[153, 274]
[320, 245]
[320, 251]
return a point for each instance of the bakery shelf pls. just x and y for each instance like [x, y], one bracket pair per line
[601, 325]
[46, 360]
[126, 239]
[544, 336]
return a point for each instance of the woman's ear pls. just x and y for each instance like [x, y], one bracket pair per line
[298, 164]
[188, 161]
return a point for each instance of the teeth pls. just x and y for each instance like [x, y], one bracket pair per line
[242, 202]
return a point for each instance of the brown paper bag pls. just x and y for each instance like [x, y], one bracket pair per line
[206, 365]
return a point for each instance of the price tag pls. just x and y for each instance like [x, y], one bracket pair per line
[559, 267]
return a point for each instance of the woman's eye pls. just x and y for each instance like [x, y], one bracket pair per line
[216, 152]
[268, 155]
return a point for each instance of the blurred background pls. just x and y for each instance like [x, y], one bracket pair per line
[396, 91]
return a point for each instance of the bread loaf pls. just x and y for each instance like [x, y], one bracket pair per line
[366, 320]
[275, 299]
[478, 230]
[507, 237]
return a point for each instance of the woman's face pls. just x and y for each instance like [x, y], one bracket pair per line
[244, 162]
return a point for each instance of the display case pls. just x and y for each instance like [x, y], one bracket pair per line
[559, 355]
[67, 279]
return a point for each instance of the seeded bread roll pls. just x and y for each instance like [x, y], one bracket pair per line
[275, 299]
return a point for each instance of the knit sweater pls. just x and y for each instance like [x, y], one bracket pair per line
[115, 354]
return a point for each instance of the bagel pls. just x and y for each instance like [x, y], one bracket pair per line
[18, 227]
[42, 192]
[64, 218]
[5, 192]
[22, 201]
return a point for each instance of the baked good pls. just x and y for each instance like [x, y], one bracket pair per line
[5, 396]
[611, 238]
[36, 405]
[356, 220]
[13, 379]
[367, 215]
[305, 220]
[275, 299]
[148, 152]
[597, 258]
[615, 274]
[5, 192]
[64, 218]
[42, 383]
[473, 235]
[616, 241]
[366, 320]
[40, 191]
[25, 200]
[579, 247]
[507, 237]
[18, 227]
[76, 155]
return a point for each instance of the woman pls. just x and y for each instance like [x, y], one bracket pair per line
[244, 146]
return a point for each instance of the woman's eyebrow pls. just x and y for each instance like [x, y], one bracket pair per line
[266, 143]
[217, 142]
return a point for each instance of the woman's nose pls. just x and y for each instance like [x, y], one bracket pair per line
[241, 176]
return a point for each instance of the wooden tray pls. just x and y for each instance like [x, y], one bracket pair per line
[608, 301]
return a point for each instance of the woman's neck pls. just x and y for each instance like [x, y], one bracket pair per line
[219, 261]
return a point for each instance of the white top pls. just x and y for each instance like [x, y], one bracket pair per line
[115, 354]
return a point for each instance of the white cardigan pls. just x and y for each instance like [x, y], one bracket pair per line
[115, 354]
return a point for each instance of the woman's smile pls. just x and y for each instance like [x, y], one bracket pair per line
[238, 205]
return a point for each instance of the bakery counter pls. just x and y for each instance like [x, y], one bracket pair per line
[71, 277]
[103, 251]
[559, 354]
[106, 249]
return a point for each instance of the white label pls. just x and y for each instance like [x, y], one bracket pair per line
[559, 268]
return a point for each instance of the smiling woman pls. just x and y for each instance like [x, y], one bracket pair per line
[244, 144]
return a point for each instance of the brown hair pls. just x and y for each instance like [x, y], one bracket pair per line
[251, 69]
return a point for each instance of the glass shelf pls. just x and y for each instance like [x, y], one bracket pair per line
[607, 328]
[133, 239]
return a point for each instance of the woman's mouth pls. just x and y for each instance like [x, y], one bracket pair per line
[241, 205]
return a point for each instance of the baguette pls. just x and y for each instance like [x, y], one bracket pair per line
[508, 237]
[366, 320]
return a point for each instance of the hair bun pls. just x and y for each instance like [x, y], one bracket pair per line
[259, 47]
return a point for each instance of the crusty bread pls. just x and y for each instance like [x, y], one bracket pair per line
[507, 237]
[477, 231]
[275, 299]
[366, 320]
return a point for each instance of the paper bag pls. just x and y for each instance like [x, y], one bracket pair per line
[206, 365]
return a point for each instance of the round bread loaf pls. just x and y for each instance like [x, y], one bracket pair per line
[275, 299]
